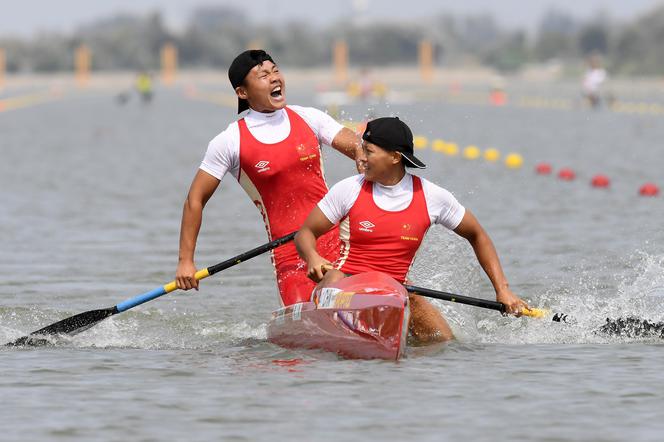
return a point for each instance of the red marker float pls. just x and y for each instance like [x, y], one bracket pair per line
[566, 174]
[649, 189]
[600, 181]
[543, 169]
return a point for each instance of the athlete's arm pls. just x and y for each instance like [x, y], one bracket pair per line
[347, 142]
[314, 226]
[485, 251]
[350, 144]
[202, 188]
[330, 132]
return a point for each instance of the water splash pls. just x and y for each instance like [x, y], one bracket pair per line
[586, 295]
[146, 329]
[637, 291]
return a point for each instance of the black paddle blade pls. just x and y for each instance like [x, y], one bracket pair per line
[631, 327]
[68, 326]
[561, 317]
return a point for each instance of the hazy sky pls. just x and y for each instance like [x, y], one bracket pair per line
[25, 17]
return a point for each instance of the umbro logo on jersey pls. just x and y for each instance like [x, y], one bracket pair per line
[366, 226]
[262, 166]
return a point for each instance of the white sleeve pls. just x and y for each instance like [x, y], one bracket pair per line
[324, 126]
[336, 204]
[443, 207]
[223, 153]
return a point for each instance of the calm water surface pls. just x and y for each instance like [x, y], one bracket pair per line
[91, 196]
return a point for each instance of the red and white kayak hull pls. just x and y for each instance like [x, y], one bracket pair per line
[363, 316]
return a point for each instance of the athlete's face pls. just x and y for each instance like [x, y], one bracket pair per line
[380, 165]
[264, 87]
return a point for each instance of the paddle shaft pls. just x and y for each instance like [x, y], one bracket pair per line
[201, 274]
[628, 327]
[85, 320]
[445, 296]
[483, 303]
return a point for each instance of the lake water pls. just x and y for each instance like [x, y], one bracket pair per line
[91, 194]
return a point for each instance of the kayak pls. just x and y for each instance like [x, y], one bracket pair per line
[363, 316]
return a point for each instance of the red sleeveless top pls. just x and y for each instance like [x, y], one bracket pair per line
[285, 181]
[380, 240]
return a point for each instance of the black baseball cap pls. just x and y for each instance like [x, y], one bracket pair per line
[241, 66]
[390, 133]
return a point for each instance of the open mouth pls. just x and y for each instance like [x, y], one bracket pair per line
[276, 92]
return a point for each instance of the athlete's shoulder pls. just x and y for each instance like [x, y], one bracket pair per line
[324, 126]
[226, 137]
[426, 183]
[311, 114]
[223, 153]
[347, 186]
[433, 190]
[297, 108]
[338, 201]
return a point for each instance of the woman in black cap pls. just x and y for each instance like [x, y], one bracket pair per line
[384, 215]
[272, 150]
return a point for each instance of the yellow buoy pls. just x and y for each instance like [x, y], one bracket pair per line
[514, 161]
[451, 149]
[471, 152]
[438, 145]
[492, 155]
[420, 142]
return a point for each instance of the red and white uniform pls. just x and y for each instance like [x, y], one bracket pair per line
[277, 159]
[382, 227]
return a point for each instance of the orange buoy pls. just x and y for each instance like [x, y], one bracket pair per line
[649, 189]
[600, 181]
[498, 97]
[543, 169]
[566, 174]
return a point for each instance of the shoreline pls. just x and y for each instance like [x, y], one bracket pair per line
[401, 76]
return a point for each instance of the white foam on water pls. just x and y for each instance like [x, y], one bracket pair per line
[146, 329]
[169, 332]
[638, 291]
[642, 295]
[588, 298]
[238, 331]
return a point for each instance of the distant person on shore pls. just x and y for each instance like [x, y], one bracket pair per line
[274, 151]
[383, 216]
[144, 87]
[593, 80]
